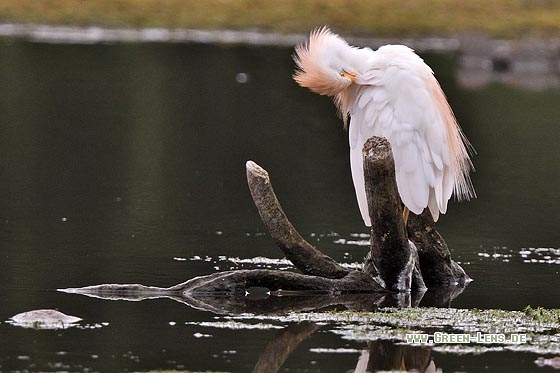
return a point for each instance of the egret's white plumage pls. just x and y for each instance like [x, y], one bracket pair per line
[391, 92]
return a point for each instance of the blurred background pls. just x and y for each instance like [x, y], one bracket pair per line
[500, 18]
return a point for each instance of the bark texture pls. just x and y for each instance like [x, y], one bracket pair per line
[400, 263]
[390, 252]
[301, 253]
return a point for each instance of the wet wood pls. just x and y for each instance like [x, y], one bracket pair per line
[390, 253]
[278, 281]
[230, 302]
[436, 265]
[301, 253]
[393, 267]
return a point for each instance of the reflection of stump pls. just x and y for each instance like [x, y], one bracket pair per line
[385, 355]
[282, 345]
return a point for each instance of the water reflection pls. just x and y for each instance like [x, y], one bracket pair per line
[280, 347]
[269, 303]
[380, 355]
[383, 355]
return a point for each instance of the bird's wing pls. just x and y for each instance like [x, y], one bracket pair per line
[406, 114]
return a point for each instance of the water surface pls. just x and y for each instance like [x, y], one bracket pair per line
[118, 161]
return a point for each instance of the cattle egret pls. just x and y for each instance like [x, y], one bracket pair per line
[391, 92]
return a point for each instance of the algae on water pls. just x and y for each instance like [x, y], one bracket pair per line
[541, 326]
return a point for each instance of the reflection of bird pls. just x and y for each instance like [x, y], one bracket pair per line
[391, 93]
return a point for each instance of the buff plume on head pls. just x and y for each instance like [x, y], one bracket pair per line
[323, 65]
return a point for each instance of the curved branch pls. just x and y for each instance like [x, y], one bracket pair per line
[277, 281]
[301, 253]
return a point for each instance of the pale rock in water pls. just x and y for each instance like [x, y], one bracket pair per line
[44, 319]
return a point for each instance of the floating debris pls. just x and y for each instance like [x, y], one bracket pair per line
[93, 326]
[44, 319]
[357, 266]
[335, 350]
[261, 260]
[233, 325]
[539, 255]
[200, 335]
[554, 362]
[360, 235]
[241, 78]
[344, 241]
[540, 325]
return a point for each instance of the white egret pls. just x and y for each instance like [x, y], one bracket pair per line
[391, 92]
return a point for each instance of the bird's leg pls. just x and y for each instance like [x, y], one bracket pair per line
[405, 214]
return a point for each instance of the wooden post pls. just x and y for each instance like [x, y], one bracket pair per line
[390, 253]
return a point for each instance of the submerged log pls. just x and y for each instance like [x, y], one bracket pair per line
[233, 303]
[278, 281]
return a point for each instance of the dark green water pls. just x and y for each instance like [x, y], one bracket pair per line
[119, 161]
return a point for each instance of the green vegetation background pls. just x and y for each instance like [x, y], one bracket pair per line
[498, 18]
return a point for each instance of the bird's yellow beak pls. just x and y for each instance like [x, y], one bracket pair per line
[348, 75]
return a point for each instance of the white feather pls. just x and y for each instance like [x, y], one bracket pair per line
[357, 168]
[392, 93]
[396, 103]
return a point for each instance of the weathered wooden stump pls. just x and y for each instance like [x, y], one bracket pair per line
[436, 265]
[390, 253]
[401, 259]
